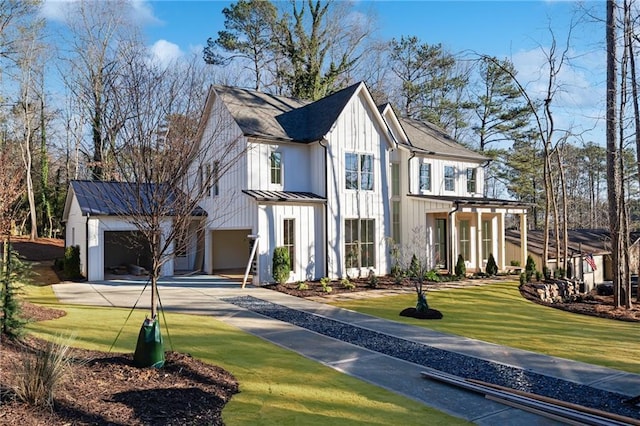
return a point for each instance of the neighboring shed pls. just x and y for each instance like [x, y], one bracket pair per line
[97, 216]
[582, 243]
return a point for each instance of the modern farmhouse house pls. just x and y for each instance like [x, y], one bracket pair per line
[338, 182]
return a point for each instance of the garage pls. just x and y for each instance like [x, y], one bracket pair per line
[231, 249]
[123, 249]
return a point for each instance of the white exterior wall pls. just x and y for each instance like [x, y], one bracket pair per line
[308, 239]
[355, 131]
[97, 226]
[437, 177]
[296, 166]
[76, 232]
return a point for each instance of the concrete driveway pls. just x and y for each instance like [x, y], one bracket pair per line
[202, 295]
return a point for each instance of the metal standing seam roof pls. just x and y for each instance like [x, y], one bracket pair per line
[474, 201]
[284, 196]
[109, 198]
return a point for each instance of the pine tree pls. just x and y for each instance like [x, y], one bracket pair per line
[14, 272]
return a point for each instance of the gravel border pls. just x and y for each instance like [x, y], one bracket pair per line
[448, 362]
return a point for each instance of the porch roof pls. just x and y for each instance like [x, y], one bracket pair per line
[284, 196]
[474, 201]
[594, 241]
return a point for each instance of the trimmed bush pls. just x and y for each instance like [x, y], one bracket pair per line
[461, 269]
[530, 268]
[280, 264]
[72, 262]
[492, 267]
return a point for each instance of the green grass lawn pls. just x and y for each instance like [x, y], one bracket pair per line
[277, 386]
[497, 313]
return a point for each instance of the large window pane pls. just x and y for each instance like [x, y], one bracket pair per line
[276, 168]
[425, 177]
[449, 178]
[289, 241]
[395, 179]
[366, 172]
[465, 239]
[351, 170]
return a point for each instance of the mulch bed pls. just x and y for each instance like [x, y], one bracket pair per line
[106, 389]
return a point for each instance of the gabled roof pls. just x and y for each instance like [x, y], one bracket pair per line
[101, 198]
[429, 139]
[314, 120]
[281, 118]
[284, 196]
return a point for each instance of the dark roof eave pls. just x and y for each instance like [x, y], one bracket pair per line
[278, 139]
[474, 201]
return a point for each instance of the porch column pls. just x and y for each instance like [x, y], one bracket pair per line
[208, 252]
[501, 243]
[523, 239]
[479, 254]
[453, 247]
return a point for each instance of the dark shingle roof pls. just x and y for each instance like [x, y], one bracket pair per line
[430, 139]
[594, 241]
[122, 198]
[282, 118]
[284, 196]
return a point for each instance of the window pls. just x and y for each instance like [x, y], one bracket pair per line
[208, 179]
[200, 178]
[425, 177]
[449, 179]
[358, 171]
[276, 168]
[440, 246]
[216, 178]
[359, 245]
[395, 179]
[465, 239]
[395, 221]
[486, 239]
[471, 180]
[289, 240]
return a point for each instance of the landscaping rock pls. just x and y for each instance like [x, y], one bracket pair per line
[558, 291]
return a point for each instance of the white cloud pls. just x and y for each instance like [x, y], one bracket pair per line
[138, 12]
[164, 52]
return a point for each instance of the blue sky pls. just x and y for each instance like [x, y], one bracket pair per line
[515, 29]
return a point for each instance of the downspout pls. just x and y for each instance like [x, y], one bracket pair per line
[322, 143]
[413, 154]
[86, 246]
[451, 226]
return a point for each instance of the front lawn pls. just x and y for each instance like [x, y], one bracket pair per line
[277, 387]
[498, 313]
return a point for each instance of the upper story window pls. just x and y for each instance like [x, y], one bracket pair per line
[471, 180]
[449, 178]
[276, 168]
[395, 179]
[358, 171]
[425, 177]
[215, 179]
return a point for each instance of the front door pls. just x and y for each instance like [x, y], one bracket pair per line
[440, 246]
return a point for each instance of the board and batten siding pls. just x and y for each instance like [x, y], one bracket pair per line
[437, 176]
[356, 131]
[76, 232]
[230, 209]
[308, 239]
[295, 167]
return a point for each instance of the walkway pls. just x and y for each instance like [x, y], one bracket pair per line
[202, 295]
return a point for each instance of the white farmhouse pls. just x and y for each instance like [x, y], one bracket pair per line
[337, 182]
